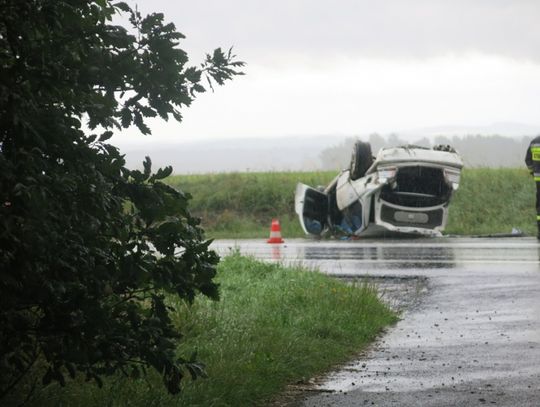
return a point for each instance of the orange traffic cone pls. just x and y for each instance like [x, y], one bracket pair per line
[275, 232]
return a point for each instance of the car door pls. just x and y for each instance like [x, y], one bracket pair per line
[311, 206]
[354, 207]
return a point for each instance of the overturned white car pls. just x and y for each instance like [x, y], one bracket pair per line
[404, 189]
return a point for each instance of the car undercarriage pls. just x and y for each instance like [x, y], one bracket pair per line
[404, 189]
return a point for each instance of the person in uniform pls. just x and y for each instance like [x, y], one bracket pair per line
[532, 159]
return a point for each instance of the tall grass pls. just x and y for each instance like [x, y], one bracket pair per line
[272, 326]
[243, 204]
[493, 201]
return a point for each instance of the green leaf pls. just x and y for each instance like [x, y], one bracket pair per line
[47, 377]
[147, 164]
[122, 6]
[163, 172]
[137, 176]
[125, 117]
[105, 136]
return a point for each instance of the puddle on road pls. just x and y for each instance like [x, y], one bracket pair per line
[419, 258]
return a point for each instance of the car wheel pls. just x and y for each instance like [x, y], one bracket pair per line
[361, 160]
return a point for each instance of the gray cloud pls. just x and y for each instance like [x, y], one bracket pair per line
[384, 28]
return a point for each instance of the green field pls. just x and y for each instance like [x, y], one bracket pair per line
[243, 204]
[273, 326]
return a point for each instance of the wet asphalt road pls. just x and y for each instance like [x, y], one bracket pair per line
[470, 335]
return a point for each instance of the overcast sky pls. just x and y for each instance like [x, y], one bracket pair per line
[353, 67]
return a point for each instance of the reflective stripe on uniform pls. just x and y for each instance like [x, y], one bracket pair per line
[538, 218]
[537, 178]
[535, 152]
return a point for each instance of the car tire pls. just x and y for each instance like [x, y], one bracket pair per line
[361, 160]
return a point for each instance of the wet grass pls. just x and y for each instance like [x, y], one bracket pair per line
[242, 205]
[273, 326]
[493, 201]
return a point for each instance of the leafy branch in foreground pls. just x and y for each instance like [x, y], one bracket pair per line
[90, 248]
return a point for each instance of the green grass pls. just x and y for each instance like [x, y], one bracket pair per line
[273, 326]
[242, 205]
[493, 201]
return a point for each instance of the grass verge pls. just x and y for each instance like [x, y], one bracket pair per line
[493, 201]
[273, 325]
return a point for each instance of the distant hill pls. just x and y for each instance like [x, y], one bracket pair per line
[479, 146]
[506, 129]
[238, 155]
